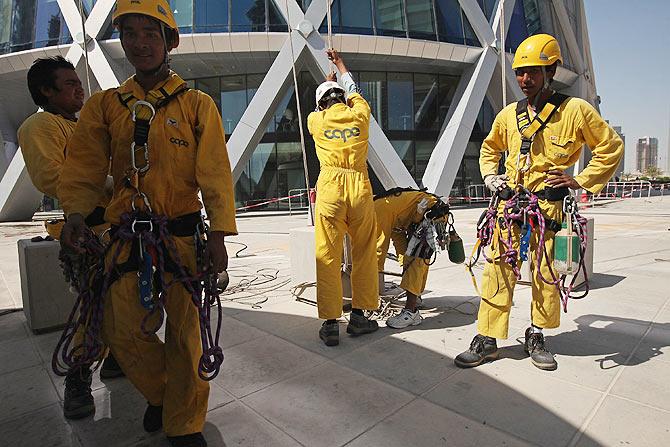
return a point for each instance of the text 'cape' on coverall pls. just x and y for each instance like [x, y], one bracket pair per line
[557, 146]
[43, 138]
[344, 205]
[395, 214]
[187, 153]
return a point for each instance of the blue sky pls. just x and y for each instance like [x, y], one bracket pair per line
[630, 46]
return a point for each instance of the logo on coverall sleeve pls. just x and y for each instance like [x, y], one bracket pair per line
[342, 134]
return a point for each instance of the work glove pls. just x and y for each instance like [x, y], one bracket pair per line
[496, 182]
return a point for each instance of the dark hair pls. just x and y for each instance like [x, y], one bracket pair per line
[43, 74]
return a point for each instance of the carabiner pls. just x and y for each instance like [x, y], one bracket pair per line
[144, 198]
[144, 168]
[143, 103]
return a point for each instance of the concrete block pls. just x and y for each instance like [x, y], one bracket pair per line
[588, 260]
[47, 300]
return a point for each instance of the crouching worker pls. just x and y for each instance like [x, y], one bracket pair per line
[344, 204]
[397, 211]
[544, 135]
[166, 144]
[43, 137]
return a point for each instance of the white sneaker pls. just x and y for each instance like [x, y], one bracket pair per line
[404, 319]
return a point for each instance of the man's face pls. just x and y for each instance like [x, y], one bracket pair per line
[530, 80]
[142, 42]
[68, 94]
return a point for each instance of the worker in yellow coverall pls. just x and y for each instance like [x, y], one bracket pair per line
[43, 136]
[552, 150]
[344, 204]
[396, 213]
[185, 154]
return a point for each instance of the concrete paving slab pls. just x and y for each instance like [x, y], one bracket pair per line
[236, 424]
[417, 424]
[13, 327]
[261, 362]
[536, 408]
[394, 360]
[645, 381]
[327, 406]
[44, 427]
[25, 391]
[234, 332]
[622, 422]
[17, 354]
[656, 344]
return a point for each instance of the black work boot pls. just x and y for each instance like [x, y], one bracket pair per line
[539, 356]
[359, 325]
[192, 440]
[153, 418]
[78, 398]
[110, 368]
[330, 333]
[482, 349]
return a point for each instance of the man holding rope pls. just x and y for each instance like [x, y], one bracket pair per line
[536, 163]
[166, 144]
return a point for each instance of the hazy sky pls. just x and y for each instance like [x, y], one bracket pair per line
[630, 46]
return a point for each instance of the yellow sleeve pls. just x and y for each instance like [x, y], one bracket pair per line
[493, 146]
[310, 122]
[42, 143]
[84, 172]
[212, 168]
[606, 147]
[360, 107]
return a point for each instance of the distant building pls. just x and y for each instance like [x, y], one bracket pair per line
[620, 169]
[647, 153]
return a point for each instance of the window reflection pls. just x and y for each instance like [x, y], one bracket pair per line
[183, 14]
[420, 19]
[47, 23]
[248, 15]
[233, 100]
[400, 105]
[23, 20]
[5, 21]
[426, 100]
[211, 16]
[390, 18]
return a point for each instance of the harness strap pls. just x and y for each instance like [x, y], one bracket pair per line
[528, 127]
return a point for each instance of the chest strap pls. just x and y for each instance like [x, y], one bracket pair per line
[528, 127]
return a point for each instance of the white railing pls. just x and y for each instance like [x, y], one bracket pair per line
[298, 200]
[625, 190]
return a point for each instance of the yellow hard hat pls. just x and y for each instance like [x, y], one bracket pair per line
[537, 50]
[158, 9]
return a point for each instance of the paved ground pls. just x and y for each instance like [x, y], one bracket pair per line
[281, 387]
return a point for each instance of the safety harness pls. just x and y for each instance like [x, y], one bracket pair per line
[521, 208]
[433, 233]
[153, 255]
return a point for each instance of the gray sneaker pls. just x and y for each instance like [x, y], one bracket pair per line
[359, 325]
[482, 349]
[330, 333]
[539, 355]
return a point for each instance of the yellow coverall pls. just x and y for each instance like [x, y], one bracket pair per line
[557, 146]
[344, 205]
[187, 154]
[43, 137]
[395, 214]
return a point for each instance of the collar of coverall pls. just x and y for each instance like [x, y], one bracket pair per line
[170, 84]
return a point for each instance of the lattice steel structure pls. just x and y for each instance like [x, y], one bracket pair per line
[435, 64]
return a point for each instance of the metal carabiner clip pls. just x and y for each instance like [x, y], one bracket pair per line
[133, 163]
[143, 103]
[569, 204]
[145, 199]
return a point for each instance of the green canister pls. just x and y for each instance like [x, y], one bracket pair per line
[456, 249]
[566, 249]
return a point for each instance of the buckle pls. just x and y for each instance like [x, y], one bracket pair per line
[525, 146]
[143, 103]
[142, 225]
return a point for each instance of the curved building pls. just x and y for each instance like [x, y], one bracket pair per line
[431, 70]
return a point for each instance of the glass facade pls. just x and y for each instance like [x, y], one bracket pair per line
[410, 107]
[26, 24]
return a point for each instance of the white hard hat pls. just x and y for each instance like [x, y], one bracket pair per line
[322, 89]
